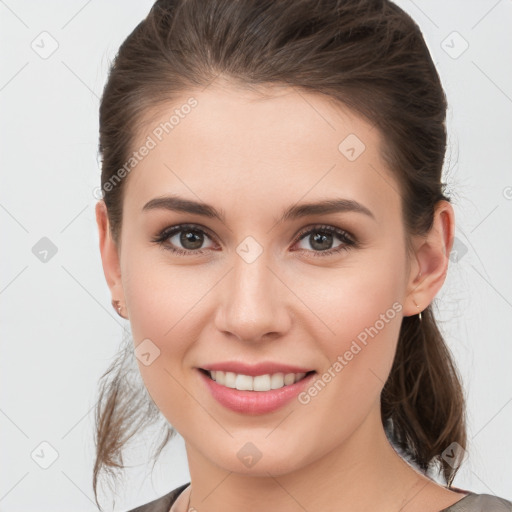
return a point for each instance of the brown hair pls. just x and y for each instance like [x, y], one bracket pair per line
[366, 54]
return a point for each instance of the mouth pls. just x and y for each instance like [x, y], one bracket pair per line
[258, 383]
[257, 394]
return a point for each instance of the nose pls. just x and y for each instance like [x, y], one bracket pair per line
[253, 303]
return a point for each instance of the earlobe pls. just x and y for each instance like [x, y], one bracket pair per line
[109, 253]
[432, 256]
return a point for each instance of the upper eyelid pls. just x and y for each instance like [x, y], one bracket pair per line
[183, 227]
[325, 227]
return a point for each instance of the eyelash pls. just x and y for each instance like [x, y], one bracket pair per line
[348, 240]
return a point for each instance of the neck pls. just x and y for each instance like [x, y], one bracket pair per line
[362, 473]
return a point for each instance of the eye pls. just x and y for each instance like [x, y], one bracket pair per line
[322, 237]
[190, 236]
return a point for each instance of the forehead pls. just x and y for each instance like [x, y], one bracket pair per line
[275, 144]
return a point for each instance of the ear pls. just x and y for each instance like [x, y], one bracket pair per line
[430, 260]
[109, 254]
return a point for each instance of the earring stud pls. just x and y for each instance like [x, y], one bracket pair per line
[419, 314]
[116, 304]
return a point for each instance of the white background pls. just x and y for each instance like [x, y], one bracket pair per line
[58, 329]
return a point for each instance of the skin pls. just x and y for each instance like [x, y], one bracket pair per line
[252, 156]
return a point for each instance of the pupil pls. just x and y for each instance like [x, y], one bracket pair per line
[191, 237]
[320, 239]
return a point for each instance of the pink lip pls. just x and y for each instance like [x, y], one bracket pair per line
[254, 402]
[255, 369]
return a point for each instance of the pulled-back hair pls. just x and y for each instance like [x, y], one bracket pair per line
[368, 55]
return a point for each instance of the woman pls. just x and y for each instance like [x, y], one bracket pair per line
[274, 227]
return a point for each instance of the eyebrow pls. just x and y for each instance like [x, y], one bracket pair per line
[179, 204]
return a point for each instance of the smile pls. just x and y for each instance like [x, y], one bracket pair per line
[254, 395]
[255, 383]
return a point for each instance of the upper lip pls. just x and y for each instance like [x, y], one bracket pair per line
[264, 368]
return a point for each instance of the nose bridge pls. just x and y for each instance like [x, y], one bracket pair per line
[253, 303]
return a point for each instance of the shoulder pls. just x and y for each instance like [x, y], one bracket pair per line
[480, 503]
[471, 503]
[162, 504]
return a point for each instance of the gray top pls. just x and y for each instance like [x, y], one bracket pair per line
[471, 503]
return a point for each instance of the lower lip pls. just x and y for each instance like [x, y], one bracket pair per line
[255, 402]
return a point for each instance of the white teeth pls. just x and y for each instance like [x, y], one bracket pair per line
[258, 383]
[277, 380]
[242, 382]
[230, 379]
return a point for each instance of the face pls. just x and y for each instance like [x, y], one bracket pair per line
[320, 289]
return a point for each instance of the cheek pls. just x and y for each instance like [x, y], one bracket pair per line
[366, 315]
[166, 307]
[163, 300]
[363, 309]
[360, 356]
